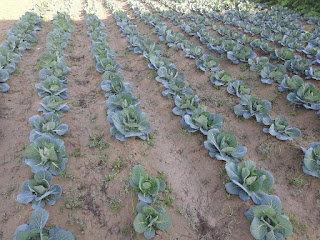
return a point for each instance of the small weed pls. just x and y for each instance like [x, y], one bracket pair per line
[107, 179]
[271, 191]
[93, 117]
[77, 152]
[266, 149]
[298, 226]
[104, 157]
[129, 232]
[206, 181]
[152, 75]
[72, 199]
[169, 200]
[297, 181]
[7, 193]
[294, 110]
[244, 67]
[149, 142]
[4, 218]
[91, 68]
[98, 141]
[223, 176]
[67, 175]
[115, 204]
[118, 165]
[243, 77]
[221, 103]
[76, 221]
[201, 86]
[181, 211]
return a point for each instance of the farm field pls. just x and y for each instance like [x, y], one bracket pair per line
[108, 74]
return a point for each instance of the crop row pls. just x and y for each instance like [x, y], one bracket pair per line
[46, 154]
[20, 37]
[124, 114]
[247, 181]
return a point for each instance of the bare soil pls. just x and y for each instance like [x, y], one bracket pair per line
[201, 208]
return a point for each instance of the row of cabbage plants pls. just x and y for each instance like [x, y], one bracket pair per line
[124, 114]
[46, 154]
[20, 37]
[301, 93]
[251, 106]
[246, 181]
[278, 21]
[293, 63]
[120, 103]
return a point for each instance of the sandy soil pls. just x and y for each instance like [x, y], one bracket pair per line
[201, 207]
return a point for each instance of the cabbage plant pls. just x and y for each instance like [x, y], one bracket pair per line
[313, 73]
[149, 220]
[4, 76]
[202, 120]
[272, 73]
[174, 38]
[146, 187]
[52, 86]
[185, 44]
[223, 146]
[208, 63]
[36, 229]
[46, 153]
[115, 86]
[214, 43]
[221, 78]
[311, 160]
[39, 191]
[167, 74]
[226, 46]
[194, 52]
[53, 104]
[285, 54]
[49, 124]
[267, 221]
[59, 70]
[252, 106]
[176, 87]
[116, 103]
[157, 61]
[306, 95]
[185, 104]
[238, 88]
[49, 60]
[247, 181]
[258, 65]
[316, 60]
[240, 53]
[279, 127]
[298, 65]
[130, 122]
[290, 84]
[107, 64]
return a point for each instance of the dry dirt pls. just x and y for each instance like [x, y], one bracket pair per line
[201, 207]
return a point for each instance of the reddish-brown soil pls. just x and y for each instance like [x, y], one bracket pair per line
[201, 208]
